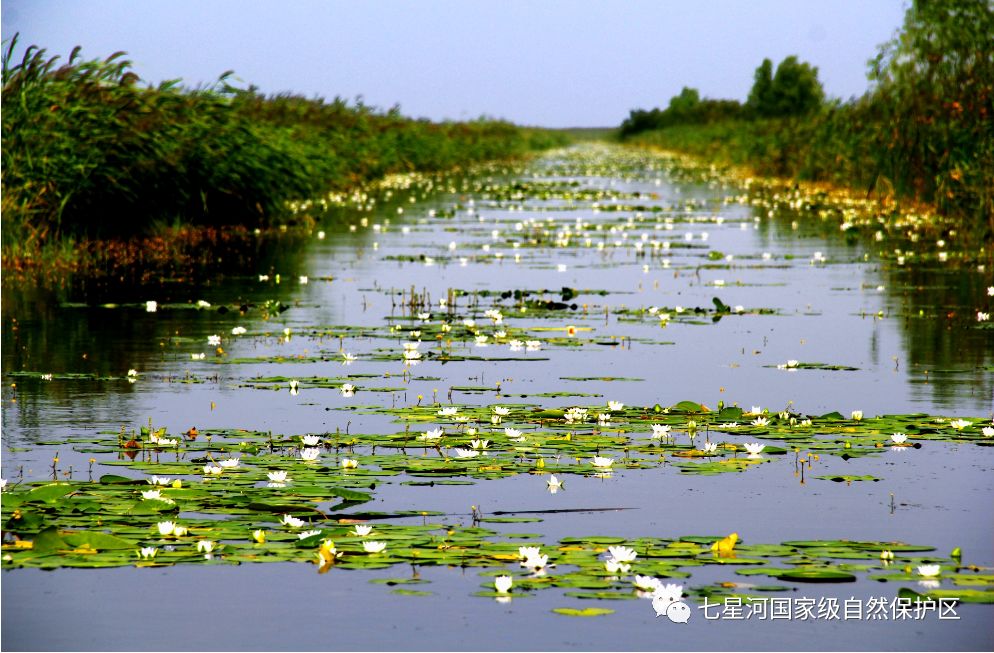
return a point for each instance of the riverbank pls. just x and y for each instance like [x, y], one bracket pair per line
[92, 156]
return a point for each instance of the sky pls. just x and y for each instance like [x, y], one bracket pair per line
[548, 63]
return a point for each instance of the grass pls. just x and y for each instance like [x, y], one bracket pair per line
[92, 155]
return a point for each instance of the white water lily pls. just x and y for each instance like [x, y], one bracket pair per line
[303, 535]
[433, 434]
[525, 552]
[292, 522]
[982, 316]
[615, 405]
[310, 440]
[622, 553]
[348, 390]
[347, 357]
[214, 340]
[503, 411]
[481, 340]
[412, 355]
[350, 463]
[294, 387]
[448, 411]
[309, 455]
[929, 571]
[857, 415]
[238, 331]
[205, 546]
[959, 424]
[532, 345]
[575, 415]
[616, 566]
[151, 494]
[515, 345]
[278, 476]
[132, 373]
[151, 306]
[198, 357]
[424, 317]
[760, 421]
[754, 448]
[646, 583]
[792, 363]
[601, 462]
[503, 584]
[554, 484]
[159, 480]
[988, 431]
[362, 530]
[213, 470]
[898, 438]
[374, 547]
[479, 444]
[710, 447]
[465, 453]
[739, 308]
[886, 555]
[661, 431]
[536, 562]
[147, 552]
[166, 527]
[229, 463]
[604, 419]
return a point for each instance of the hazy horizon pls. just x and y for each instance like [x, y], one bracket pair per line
[553, 64]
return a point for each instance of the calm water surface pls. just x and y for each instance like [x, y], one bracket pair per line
[854, 310]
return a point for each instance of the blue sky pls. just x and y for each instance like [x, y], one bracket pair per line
[550, 63]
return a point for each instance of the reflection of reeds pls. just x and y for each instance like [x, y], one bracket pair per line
[88, 151]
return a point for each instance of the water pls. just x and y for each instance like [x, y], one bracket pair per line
[903, 327]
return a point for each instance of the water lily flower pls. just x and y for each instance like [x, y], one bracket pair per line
[198, 357]
[363, 530]
[660, 431]
[481, 340]
[374, 547]
[303, 535]
[205, 546]
[350, 463]
[469, 323]
[554, 484]
[166, 527]
[622, 553]
[159, 480]
[616, 566]
[959, 424]
[433, 434]
[212, 470]
[983, 317]
[412, 355]
[293, 387]
[278, 476]
[214, 340]
[710, 447]
[448, 411]
[532, 345]
[857, 415]
[760, 421]
[348, 390]
[229, 463]
[259, 536]
[615, 405]
[515, 345]
[292, 522]
[739, 308]
[347, 357]
[601, 462]
[525, 552]
[929, 571]
[309, 455]
[898, 438]
[988, 431]
[151, 494]
[424, 317]
[310, 440]
[502, 411]
[466, 453]
[147, 552]
[646, 583]
[132, 373]
[792, 363]
[203, 304]
[756, 410]
[263, 277]
[151, 307]
[886, 555]
[754, 448]
[536, 562]
[604, 419]
[479, 444]
[990, 291]
[238, 330]
[725, 545]
[503, 584]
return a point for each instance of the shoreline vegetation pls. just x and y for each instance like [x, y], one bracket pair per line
[102, 174]
[923, 135]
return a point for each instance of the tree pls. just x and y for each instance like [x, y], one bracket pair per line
[793, 90]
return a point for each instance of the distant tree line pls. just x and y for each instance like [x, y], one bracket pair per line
[793, 90]
[923, 130]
